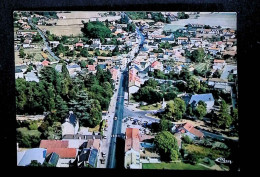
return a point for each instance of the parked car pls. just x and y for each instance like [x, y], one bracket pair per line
[115, 118]
[104, 137]
[103, 154]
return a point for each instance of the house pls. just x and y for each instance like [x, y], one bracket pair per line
[73, 69]
[87, 156]
[92, 69]
[214, 50]
[58, 68]
[31, 76]
[37, 154]
[79, 44]
[71, 125]
[156, 65]
[18, 73]
[53, 144]
[114, 73]
[167, 70]
[54, 44]
[182, 39]
[194, 40]
[132, 149]
[219, 64]
[80, 137]
[66, 155]
[207, 98]
[45, 63]
[134, 81]
[220, 84]
[192, 132]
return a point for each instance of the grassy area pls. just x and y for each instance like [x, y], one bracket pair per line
[95, 129]
[173, 166]
[205, 152]
[200, 66]
[25, 131]
[150, 107]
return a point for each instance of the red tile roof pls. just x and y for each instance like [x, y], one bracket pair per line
[156, 63]
[219, 61]
[45, 63]
[54, 144]
[91, 67]
[193, 130]
[63, 152]
[79, 44]
[132, 139]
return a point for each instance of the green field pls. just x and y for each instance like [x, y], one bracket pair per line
[150, 107]
[200, 66]
[173, 166]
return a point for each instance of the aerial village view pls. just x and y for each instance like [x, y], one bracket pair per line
[132, 90]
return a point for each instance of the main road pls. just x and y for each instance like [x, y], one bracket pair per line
[117, 124]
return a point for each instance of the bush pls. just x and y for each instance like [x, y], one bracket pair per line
[33, 126]
[187, 139]
[208, 161]
[192, 159]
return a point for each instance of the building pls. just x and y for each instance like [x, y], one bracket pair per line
[54, 44]
[92, 69]
[192, 132]
[132, 149]
[134, 81]
[31, 76]
[37, 154]
[66, 155]
[87, 157]
[182, 39]
[156, 65]
[207, 98]
[219, 64]
[71, 125]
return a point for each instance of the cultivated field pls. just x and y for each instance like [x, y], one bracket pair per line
[72, 24]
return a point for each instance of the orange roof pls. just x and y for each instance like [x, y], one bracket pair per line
[91, 67]
[193, 130]
[63, 152]
[45, 63]
[53, 144]
[132, 139]
[44, 55]
[154, 64]
[182, 38]
[219, 61]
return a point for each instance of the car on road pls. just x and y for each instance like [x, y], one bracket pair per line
[104, 137]
[103, 161]
[105, 129]
[103, 154]
[115, 118]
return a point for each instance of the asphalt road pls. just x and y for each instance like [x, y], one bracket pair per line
[44, 39]
[117, 124]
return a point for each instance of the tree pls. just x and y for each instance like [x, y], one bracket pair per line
[192, 158]
[167, 146]
[224, 120]
[80, 107]
[198, 55]
[216, 74]
[187, 139]
[165, 125]
[193, 84]
[95, 29]
[168, 20]
[83, 64]
[201, 110]
[21, 53]
[175, 109]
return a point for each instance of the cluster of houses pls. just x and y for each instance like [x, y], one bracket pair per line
[75, 149]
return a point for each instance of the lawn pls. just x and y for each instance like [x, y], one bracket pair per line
[95, 129]
[173, 166]
[200, 66]
[150, 107]
[205, 152]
